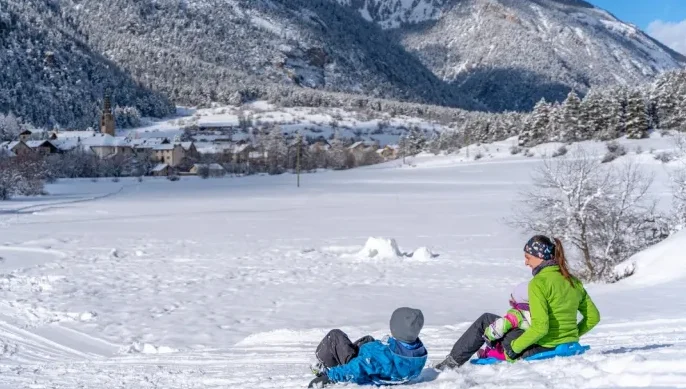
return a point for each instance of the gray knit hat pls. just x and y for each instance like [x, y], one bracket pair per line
[406, 323]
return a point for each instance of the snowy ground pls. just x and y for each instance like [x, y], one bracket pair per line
[230, 283]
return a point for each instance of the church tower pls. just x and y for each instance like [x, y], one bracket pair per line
[107, 119]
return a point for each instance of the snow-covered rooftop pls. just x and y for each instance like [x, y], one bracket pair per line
[160, 167]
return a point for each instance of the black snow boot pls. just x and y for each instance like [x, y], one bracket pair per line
[447, 364]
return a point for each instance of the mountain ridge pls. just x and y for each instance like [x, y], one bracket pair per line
[487, 55]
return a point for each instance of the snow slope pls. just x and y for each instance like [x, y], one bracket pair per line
[230, 283]
[650, 264]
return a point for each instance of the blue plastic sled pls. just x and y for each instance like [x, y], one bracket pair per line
[563, 350]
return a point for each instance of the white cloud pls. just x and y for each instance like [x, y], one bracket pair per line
[672, 34]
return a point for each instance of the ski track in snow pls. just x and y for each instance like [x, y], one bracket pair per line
[211, 283]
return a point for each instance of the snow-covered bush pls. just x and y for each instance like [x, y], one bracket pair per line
[204, 171]
[10, 127]
[664, 157]
[614, 151]
[604, 212]
[514, 150]
[23, 176]
[560, 152]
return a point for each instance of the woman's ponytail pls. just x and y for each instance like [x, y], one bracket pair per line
[562, 261]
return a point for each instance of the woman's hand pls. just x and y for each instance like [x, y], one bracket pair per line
[510, 355]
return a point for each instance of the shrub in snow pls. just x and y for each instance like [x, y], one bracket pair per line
[528, 153]
[560, 152]
[664, 157]
[478, 156]
[514, 150]
[22, 175]
[173, 177]
[605, 213]
[639, 150]
[614, 151]
[622, 274]
[204, 171]
[615, 148]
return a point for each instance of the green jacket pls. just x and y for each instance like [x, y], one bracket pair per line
[554, 303]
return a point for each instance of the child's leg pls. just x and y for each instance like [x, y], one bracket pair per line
[363, 340]
[471, 341]
[335, 349]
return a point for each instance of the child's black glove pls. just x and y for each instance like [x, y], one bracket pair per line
[321, 381]
[488, 341]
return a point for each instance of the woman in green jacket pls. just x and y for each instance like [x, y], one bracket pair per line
[555, 297]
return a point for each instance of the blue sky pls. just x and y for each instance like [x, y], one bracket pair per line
[665, 20]
[643, 12]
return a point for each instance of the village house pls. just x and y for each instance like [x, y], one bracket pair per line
[358, 149]
[162, 169]
[171, 154]
[17, 148]
[32, 134]
[214, 169]
[389, 152]
[320, 146]
[42, 147]
[107, 146]
[189, 149]
[242, 153]
[145, 144]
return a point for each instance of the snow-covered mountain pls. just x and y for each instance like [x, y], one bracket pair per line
[474, 54]
[50, 76]
[508, 53]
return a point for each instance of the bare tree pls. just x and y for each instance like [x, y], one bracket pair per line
[604, 212]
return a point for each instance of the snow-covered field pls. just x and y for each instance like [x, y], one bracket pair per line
[231, 283]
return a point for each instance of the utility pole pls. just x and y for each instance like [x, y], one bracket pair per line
[297, 159]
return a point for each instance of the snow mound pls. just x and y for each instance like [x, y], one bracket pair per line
[147, 348]
[380, 248]
[423, 254]
[658, 264]
[387, 248]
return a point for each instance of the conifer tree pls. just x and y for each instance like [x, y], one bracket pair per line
[636, 116]
[572, 116]
[538, 126]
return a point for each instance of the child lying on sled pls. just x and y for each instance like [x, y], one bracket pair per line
[394, 360]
